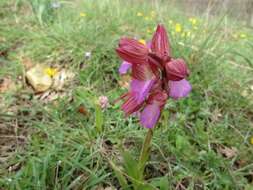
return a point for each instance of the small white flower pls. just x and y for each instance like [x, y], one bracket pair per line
[9, 179]
[55, 5]
[87, 55]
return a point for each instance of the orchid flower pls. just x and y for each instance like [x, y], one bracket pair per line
[156, 76]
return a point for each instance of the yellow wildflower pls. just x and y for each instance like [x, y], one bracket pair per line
[193, 21]
[147, 18]
[139, 14]
[195, 28]
[142, 41]
[178, 28]
[149, 31]
[188, 34]
[243, 35]
[50, 71]
[82, 14]
[251, 140]
[183, 35]
[152, 14]
[235, 36]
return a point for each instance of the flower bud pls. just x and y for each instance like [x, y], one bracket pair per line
[132, 51]
[176, 69]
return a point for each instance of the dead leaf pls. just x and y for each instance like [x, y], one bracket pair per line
[240, 163]
[27, 62]
[228, 152]
[54, 96]
[47, 96]
[125, 81]
[61, 78]
[109, 188]
[2, 39]
[6, 84]
[105, 188]
[83, 110]
[216, 115]
[15, 167]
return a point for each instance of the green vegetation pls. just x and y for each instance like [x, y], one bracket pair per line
[201, 142]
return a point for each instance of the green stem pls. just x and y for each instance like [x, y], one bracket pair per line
[145, 151]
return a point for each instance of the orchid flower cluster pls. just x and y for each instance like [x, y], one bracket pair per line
[156, 76]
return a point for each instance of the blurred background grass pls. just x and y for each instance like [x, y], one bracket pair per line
[53, 146]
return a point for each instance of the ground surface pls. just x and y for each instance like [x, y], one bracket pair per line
[201, 142]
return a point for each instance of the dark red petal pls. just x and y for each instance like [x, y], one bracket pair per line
[131, 104]
[157, 86]
[155, 59]
[132, 51]
[155, 64]
[142, 71]
[160, 42]
[176, 69]
[158, 97]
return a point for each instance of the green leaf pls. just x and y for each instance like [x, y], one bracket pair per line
[161, 183]
[146, 187]
[132, 169]
[131, 165]
[181, 142]
[145, 150]
[121, 178]
[99, 119]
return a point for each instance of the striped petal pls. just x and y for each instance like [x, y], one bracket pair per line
[160, 42]
[176, 69]
[132, 51]
[131, 105]
[142, 72]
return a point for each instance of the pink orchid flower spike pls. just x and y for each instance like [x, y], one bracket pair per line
[156, 76]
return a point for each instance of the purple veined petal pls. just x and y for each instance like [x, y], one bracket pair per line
[150, 115]
[141, 88]
[179, 89]
[124, 67]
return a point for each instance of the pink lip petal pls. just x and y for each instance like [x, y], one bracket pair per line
[150, 115]
[141, 88]
[179, 89]
[124, 67]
